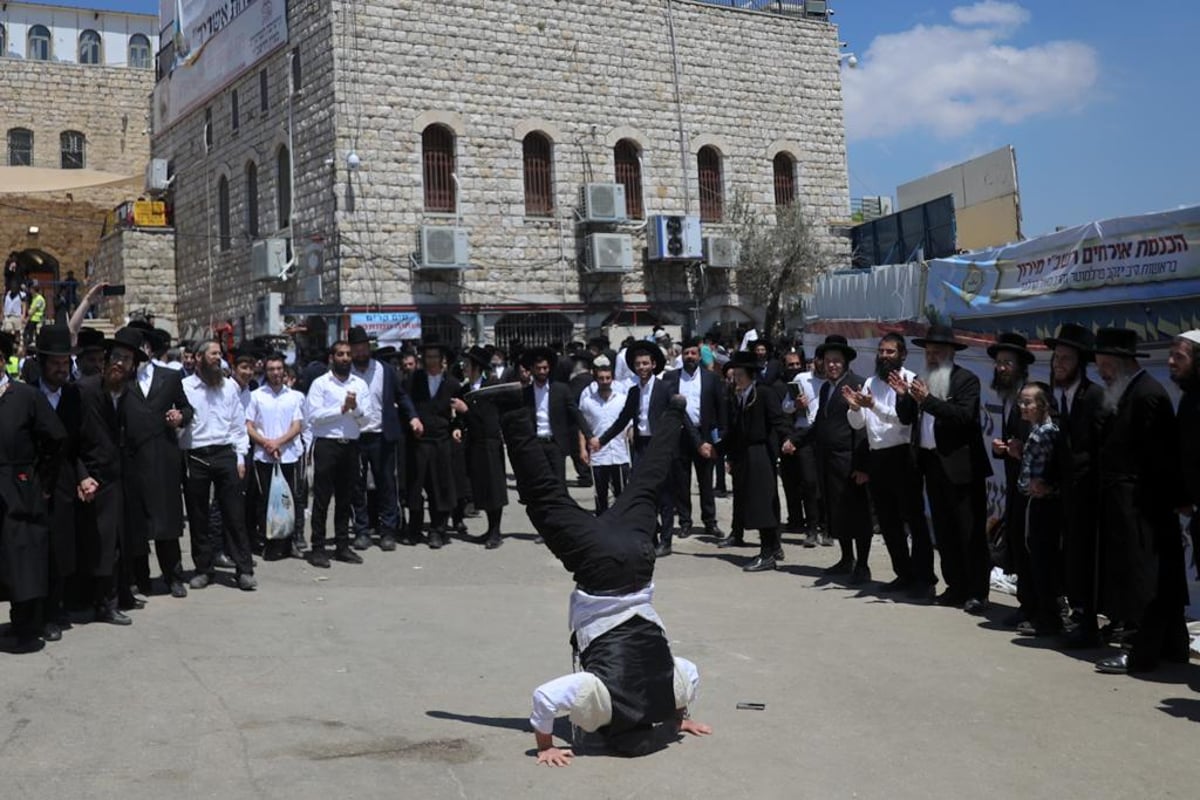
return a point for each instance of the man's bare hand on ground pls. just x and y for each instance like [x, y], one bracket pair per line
[694, 728]
[555, 757]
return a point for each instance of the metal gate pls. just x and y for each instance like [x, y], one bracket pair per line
[533, 330]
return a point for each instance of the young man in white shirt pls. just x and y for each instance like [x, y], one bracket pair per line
[895, 483]
[600, 406]
[215, 444]
[336, 408]
[274, 421]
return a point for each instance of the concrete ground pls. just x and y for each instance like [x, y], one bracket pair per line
[410, 677]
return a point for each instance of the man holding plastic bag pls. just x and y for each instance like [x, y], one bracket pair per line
[274, 420]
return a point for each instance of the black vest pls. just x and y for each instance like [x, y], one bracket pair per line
[634, 663]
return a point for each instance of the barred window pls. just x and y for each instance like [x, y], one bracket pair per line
[72, 145]
[89, 47]
[785, 179]
[437, 157]
[627, 157]
[139, 51]
[20, 147]
[712, 185]
[539, 175]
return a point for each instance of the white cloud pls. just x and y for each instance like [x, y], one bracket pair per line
[949, 80]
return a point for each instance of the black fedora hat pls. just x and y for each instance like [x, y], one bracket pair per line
[54, 340]
[131, 338]
[531, 355]
[1074, 335]
[89, 339]
[387, 351]
[479, 355]
[1117, 342]
[1014, 343]
[358, 335]
[744, 359]
[939, 334]
[835, 341]
[644, 348]
[433, 344]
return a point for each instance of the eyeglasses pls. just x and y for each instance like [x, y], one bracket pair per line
[1025, 403]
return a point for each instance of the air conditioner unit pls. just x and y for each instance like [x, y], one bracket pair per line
[602, 202]
[267, 316]
[721, 252]
[268, 259]
[674, 238]
[608, 252]
[443, 247]
[156, 175]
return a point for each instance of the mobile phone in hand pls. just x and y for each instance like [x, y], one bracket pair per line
[113, 290]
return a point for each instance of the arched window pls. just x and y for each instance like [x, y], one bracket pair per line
[252, 200]
[785, 179]
[71, 143]
[437, 158]
[225, 240]
[235, 119]
[139, 51]
[39, 43]
[283, 182]
[20, 147]
[712, 184]
[539, 175]
[627, 158]
[89, 47]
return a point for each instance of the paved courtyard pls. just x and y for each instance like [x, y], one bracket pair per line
[410, 677]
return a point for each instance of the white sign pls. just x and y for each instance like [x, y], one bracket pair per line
[214, 42]
[389, 327]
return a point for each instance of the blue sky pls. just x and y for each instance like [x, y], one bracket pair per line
[1099, 98]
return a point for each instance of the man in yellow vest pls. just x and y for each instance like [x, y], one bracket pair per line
[36, 313]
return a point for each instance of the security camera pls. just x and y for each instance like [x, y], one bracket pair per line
[352, 160]
[852, 61]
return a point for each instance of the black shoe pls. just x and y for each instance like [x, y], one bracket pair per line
[130, 603]
[1028, 628]
[975, 606]
[112, 616]
[51, 632]
[223, 561]
[319, 559]
[296, 552]
[178, 589]
[662, 550]
[200, 580]
[362, 542]
[684, 531]
[1014, 620]
[843, 567]
[1116, 665]
[714, 531]
[731, 541]
[387, 543]
[28, 643]
[460, 528]
[760, 564]
[247, 582]
[811, 540]
[825, 539]
[778, 554]
[493, 541]
[949, 599]
[347, 556]
[860, 575]
[924, 592]
[411, 541]
[894, 585]
[436, 541]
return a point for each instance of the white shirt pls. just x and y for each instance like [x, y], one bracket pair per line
[621, 371]
[145, 376]
[541, 408]
[434, 383]
[585, 698]
[590, 616]
[373, 377]
[272, 414]
[881, 421]
[601, 414]
[13, 305]
[219, 420]
[53, 396]
[689, 387]
[810, 386]
[323, 406]
[928, 440]
[643, 417]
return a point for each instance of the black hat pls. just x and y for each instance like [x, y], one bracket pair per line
[1074, 335]
[89, 339]
[744, 359]
[387, 351]
[1117, 342]
[600, 341]
[358, 335]
[691, 341]
[480, 355]
[8, 344]
[433, 344]
[583, 356]
[1013, 342]
[531, 355]
[939, 334]
[247, 352]
[54, 340]
[646, 348]
[835, 341]
[161, 338]
[130, 337]
[141, 325]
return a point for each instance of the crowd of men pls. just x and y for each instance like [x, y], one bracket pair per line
[113, 446]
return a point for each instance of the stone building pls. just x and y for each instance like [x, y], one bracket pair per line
[74, 99]
[377, 120]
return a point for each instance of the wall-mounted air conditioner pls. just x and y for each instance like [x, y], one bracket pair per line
[608, 252]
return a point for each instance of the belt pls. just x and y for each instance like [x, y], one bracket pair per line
[545, 438]
[211, 449]
[335, 440]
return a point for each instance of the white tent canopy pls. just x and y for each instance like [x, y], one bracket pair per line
[32, 180]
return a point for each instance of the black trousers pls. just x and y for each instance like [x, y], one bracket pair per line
[849, 509]
[1043, 528]
[264, 473]
[613, 552]
[686, 462]
[335, 469]
[959, 519]
[895, 489]
[1081, 551]
[802, 486]
[213, 471]
[379, 456]
[666, 506]
[607, 476]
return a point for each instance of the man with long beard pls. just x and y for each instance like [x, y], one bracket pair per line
[943, 409]
[1140, 491]
[1080, 405]
[1184, 366]
[1012, 358]
[895, 483]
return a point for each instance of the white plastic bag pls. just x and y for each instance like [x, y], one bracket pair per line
[281, 515]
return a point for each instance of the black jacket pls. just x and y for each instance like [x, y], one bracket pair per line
[434, 412]
[152, 445]
[842, 447]
[566, 421]
[714, 410]
[660, 399]
[956, 427]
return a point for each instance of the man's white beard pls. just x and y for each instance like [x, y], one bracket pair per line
[1115, 391]
[938, 381]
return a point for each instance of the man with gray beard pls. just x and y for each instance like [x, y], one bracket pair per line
[1140, 492]
[1184, 365]
[943, 409]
